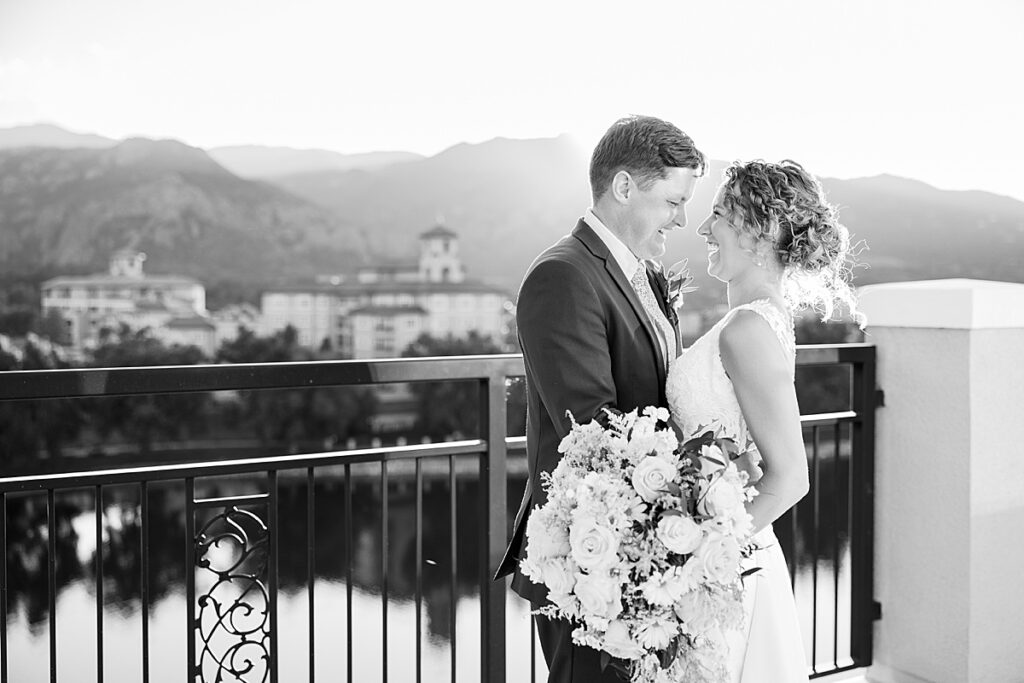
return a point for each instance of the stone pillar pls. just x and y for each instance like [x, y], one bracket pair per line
[949, 505]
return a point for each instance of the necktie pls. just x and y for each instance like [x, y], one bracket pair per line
[666, 335]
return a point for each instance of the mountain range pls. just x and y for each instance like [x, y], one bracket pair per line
[67, 208]
[257, 161]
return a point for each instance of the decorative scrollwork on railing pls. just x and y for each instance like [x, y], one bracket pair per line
[234, 607]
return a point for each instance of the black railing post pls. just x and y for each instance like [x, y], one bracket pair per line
[862, 522]
[51, 563]
[191, 667]
[3, 587]
[492, 512]
[272, 570]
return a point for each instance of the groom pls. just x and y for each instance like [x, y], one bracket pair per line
[594, 333]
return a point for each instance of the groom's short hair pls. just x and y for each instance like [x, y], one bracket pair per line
[644, 146]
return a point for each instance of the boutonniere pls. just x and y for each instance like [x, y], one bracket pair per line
[674, 283]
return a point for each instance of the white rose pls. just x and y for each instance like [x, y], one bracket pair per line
[544, 540]
[652, 477]
[618, 643]
[557, 576]
[722, 498]
[696, 612]
[690, 575]
[719, 557]
[679, 533]
[599, 595]
[593, 546]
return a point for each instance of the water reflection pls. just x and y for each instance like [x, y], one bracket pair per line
[367, 562]
[339, 556]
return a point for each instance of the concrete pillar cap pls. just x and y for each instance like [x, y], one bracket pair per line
[945, 304]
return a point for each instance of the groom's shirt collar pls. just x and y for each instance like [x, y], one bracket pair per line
[627, 262]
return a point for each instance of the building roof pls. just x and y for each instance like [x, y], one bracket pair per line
[437, 231]
[382, 311]
[357, 288]
[242, 310]
[150, 306]
[193, 322]
[390, 266]
[106, 280]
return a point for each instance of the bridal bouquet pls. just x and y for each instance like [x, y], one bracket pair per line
[640, 544]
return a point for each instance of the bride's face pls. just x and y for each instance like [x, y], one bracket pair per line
[729, 249]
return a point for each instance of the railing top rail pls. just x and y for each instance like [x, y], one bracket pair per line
[171, 379]
[79, 383]
[116, 475]
[829, 354]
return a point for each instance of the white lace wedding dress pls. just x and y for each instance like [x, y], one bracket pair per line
[770, 649]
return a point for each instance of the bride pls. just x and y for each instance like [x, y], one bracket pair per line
[777, 244]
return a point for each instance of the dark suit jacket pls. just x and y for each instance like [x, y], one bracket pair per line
[587, 345]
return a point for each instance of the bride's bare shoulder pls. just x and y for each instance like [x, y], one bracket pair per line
[748, 342]
[745, 329]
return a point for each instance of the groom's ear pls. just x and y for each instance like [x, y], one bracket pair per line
[622, 186]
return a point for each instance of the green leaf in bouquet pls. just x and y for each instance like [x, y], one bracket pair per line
[616, 665]
[621, 669]
[752, 570]
[671, 513]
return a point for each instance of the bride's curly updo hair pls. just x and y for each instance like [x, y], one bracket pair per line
[784, 207]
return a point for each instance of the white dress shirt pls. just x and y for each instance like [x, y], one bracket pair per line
[628, 263]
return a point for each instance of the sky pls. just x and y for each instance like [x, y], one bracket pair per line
[928, 90]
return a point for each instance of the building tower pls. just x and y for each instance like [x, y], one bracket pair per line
[127, 263]
[439, 256]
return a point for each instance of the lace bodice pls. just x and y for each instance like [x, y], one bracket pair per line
[699, 392]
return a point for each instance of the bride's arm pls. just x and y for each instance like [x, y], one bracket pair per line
[762, 378]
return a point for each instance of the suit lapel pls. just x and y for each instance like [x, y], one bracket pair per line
[599, 249]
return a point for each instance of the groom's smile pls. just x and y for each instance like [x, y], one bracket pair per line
[658, 209]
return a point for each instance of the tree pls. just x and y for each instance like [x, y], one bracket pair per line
[452, 409]
[28, 428]
[53, 327]
[294, 416]
[17, 322]
[146, 418]
[280, 347]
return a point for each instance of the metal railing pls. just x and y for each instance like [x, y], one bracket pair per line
[828, 537]
[236, 635]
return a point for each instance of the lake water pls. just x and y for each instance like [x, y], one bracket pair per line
[28, 617]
